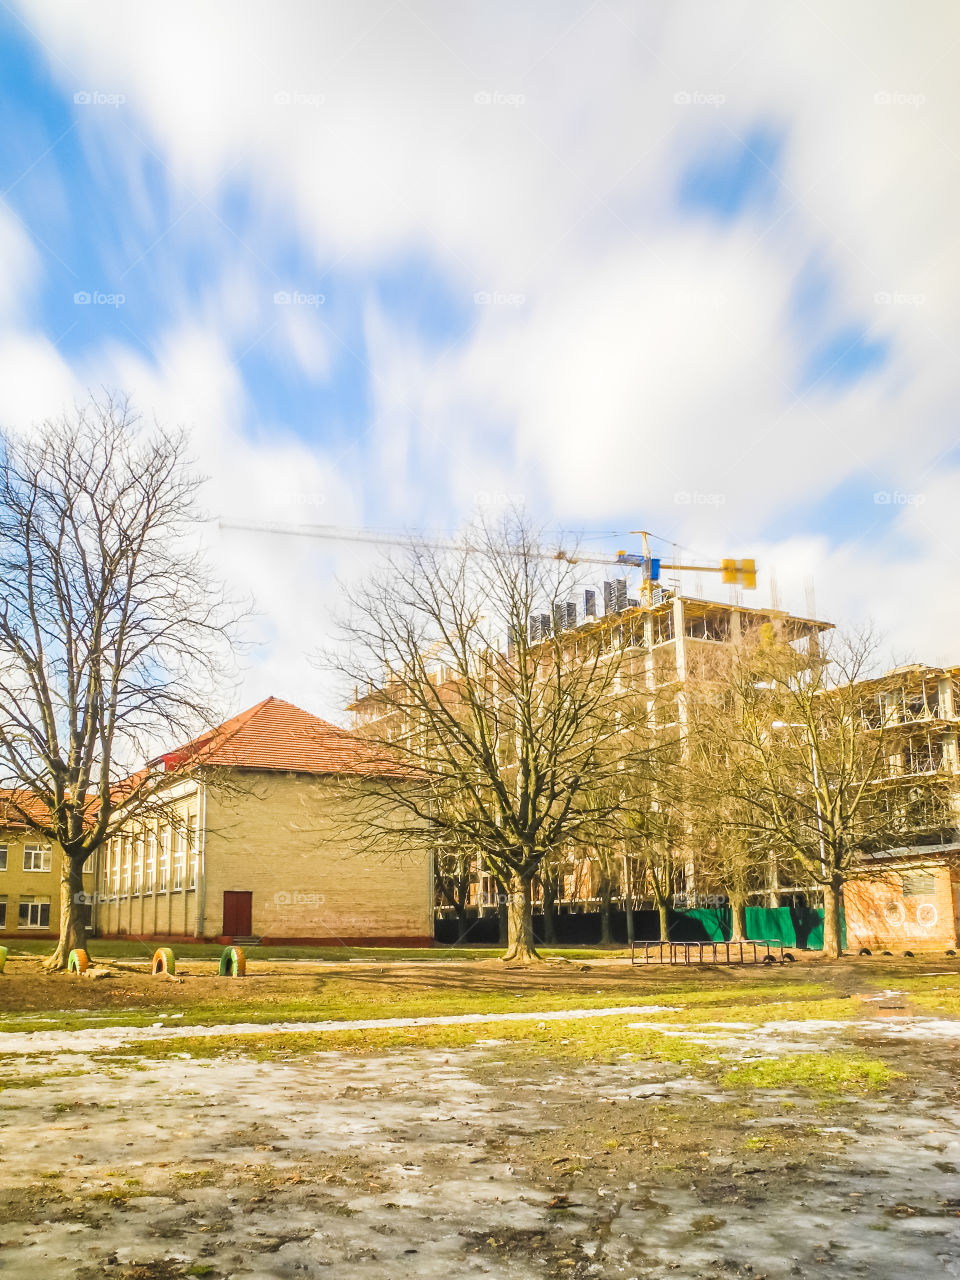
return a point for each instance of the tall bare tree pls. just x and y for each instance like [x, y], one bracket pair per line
[515, 733]
[807, 762]
[113, 634]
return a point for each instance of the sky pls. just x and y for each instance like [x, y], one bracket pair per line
[681, 266]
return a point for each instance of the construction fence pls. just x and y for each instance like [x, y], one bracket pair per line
[800, 928]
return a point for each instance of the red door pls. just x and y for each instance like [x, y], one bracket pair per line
[237, 914]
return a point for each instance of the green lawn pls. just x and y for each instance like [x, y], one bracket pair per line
[111, 950]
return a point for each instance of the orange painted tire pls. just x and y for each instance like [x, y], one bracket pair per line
[3, 958]
[163, 961]
[77, 961]
[233, 963]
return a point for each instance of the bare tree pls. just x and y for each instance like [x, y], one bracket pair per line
[807, 752]
[514, 731]
[112, 632]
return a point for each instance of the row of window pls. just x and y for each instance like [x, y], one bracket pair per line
[36, 857]
[134, 865]
[32, 913]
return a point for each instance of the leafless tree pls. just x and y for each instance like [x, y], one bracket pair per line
[515, 735]
[113, 635]
[807, 762]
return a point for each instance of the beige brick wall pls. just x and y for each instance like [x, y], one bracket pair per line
[287, 838]
[878, 915]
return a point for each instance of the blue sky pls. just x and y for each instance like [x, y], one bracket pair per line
[398, 261]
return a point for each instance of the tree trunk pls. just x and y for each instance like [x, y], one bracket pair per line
[664, 921]
[738, 919]
[503, 922]
[831, 918]
[549, 912]
[73, 920]
[606, 932]
[460, 911]
[520, 948]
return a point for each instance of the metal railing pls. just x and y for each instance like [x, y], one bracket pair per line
[746, 952]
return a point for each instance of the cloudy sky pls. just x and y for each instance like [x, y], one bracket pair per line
[684, 266]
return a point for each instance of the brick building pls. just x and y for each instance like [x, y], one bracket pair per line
[255, 842]
[29, 876]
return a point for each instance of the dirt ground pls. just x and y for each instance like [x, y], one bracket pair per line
[502, 1158]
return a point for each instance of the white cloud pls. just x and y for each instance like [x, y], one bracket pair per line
[535, 152]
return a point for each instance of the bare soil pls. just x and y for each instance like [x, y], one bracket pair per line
[496, 1159]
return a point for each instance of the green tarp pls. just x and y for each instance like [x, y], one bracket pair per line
[793, 926]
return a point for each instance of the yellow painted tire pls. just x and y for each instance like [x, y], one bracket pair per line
[77, 961]
[233, 963]
[163, 961]
[3, 958]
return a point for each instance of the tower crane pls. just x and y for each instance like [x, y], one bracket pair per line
[735, 572]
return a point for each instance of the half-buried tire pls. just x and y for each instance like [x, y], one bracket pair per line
[3, 958]
[233, 963]
[163, 961]
[78, 961]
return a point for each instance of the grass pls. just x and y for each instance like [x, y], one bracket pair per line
[815, 1072]
[136, 950]
[603, 1040]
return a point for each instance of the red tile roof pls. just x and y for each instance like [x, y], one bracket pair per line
[25, 801]
[277, 735]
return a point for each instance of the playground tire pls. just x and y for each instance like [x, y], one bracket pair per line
[163, 961]
[233, 963]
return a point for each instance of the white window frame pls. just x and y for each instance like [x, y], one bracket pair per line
[3, 857]
[193, 852]
[179, 860]
[45, 857]
[30, 903]
[150, 863]
[137, 883]
[163, 868]
[126, 866]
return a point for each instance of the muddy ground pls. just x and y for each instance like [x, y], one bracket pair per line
[494, 1158]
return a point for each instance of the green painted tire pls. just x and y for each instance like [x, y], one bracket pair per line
[233, 963]
[3, 958]
[164, 961]
[77, 961]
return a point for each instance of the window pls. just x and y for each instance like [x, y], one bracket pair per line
[193, 849]
[34, 913]
[138, 866]
[916, 883]
[3, 913]
[126, 867]
[179, 859]
[115, 868]
[150, 868]
[36, 857]
[3, 857]
[163, 871]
